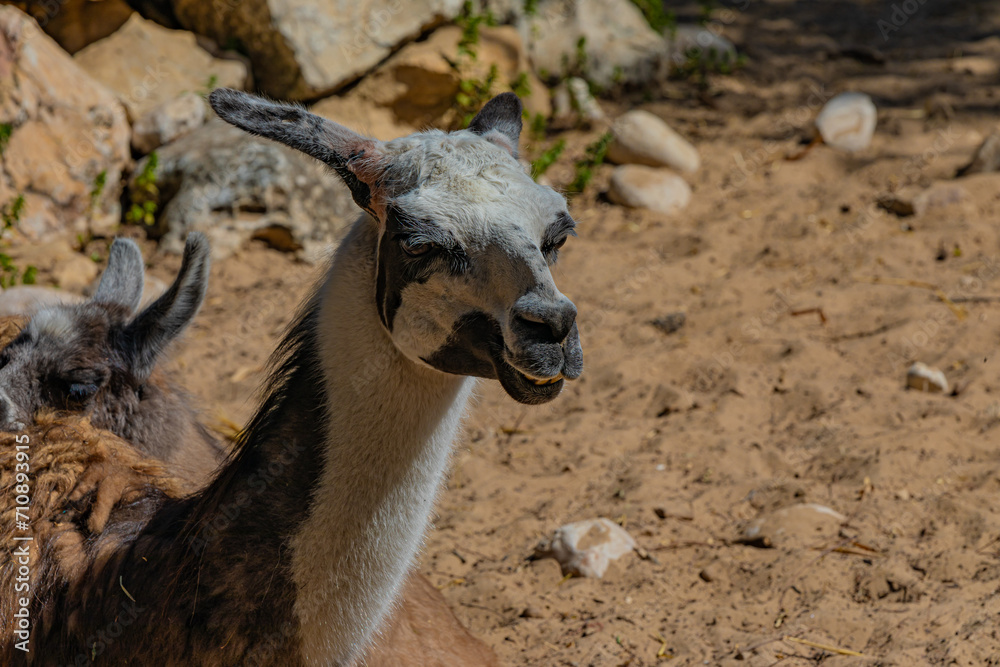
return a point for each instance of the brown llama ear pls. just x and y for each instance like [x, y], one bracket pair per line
[354, 157]
[500, 121]
[123, 280]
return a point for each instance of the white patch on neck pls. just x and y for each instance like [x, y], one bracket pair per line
[391, 430]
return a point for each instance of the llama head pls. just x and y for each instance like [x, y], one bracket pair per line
[464, 241]
[97, 357]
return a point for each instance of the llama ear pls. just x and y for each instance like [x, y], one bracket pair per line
[354, 157]
[163, 320]
[500, 121]
[122, 281]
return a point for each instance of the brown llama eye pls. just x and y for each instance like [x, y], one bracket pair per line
[415, 249]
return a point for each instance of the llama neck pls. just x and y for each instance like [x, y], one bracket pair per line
[389, 431]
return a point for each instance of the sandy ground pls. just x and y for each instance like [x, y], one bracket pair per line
[784, 386]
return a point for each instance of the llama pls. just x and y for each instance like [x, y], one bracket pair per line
[295, 552]
[99, 358]
[423, 630]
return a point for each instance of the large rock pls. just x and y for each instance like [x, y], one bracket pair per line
[232, 186]
[76, 23]
[640, 137]
[362, 116]
[67, 136]
[303, 49]
[618, 44]
[147, 65]
[171, 120]
[660, 190]
[420, 83]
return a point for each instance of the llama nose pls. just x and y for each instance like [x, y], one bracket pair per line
[546, 320]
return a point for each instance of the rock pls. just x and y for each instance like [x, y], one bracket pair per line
[847, 122]
[584, 101]
[922, 377]
[74, 24]
[420, 83]
[169, 121]
[697, 42]
[797, 526]
[76, 273]
[658, 190]
[26, 300]
[302, 49]
[362, 116]
[986, 159]
[618, 45]
[232, 186]
[917, 201]
[147, 66]
[586, 548]
[68, 140]
[643, 138]
[670, 323]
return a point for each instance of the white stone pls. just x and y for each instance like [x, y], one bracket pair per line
[922, 377]
[637, 186]
[847, 122]
[643, 138]
[589, 109]
[586, 548]
[169, 121]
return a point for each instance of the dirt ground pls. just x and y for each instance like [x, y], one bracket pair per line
[805, 303]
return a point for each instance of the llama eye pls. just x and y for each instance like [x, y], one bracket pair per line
[555, 245]
[80, 392]
[415, 249]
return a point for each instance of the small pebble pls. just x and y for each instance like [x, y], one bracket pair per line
[922, 377]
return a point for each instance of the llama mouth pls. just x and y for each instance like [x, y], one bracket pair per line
[524, 388]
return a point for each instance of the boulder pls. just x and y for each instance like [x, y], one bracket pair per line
[420, 84]
[147, 65]
[586, 548]
[169, 121]
[847, 122]
[660, 190]
[65, 138]
[232, 186]
[302, 49]
[362, 116]
[76, 23]
[640, 137]
[604, 41]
